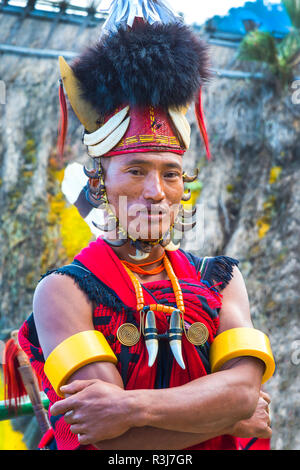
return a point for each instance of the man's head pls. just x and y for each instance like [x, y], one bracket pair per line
[144, 190]
[131, 91]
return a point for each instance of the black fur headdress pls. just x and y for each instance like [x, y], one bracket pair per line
[150, 64]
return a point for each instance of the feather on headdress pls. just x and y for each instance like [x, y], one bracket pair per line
[124, 12]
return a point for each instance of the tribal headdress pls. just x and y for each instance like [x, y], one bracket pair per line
[131, 91]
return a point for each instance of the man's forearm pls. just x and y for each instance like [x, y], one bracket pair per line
[206, 406]
[148, 438]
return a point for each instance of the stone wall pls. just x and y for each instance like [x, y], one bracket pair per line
[250, 199]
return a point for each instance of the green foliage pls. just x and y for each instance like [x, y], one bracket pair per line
[259, 46]
[293, 9]
[289, 49]
[280, 57]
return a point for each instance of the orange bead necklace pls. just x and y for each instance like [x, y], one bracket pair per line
[129, 335]
[158, 307]
[138, 268]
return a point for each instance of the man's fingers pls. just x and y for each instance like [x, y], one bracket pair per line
[268, 433]
[62, 406]
[76, 386]
[71, 417]
[265, 396]
[77, 428]
[80, 430]
[83, 439]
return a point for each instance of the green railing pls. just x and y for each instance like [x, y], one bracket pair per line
[24, 409]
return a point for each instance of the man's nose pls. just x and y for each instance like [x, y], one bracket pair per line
[154, 189]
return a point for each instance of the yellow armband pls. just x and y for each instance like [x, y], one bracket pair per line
[242, 342]
[75, 352]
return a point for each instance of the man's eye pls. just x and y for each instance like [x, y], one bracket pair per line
[135, 172]
[172, 174]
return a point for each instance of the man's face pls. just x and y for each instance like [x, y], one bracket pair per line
[145, 190]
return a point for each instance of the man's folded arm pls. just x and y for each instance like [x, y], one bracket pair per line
[207, 406]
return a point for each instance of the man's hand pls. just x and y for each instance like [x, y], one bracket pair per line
[259, 423]
[96, 410]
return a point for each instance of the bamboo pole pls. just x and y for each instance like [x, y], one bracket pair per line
[32, 387]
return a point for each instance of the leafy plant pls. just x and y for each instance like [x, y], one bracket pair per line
[259, 46]
[293, 10]
[280, 57]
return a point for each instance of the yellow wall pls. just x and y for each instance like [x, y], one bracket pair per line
[9, 439]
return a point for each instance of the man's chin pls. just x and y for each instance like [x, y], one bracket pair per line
[150, 236]
[149, 229]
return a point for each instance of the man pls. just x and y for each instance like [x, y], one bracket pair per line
[146, 381]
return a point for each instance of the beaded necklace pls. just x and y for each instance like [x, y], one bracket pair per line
[128, 334]
[138, 268]
[158, 307]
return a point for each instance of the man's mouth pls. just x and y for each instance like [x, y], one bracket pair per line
[146, 219]
[154, 212]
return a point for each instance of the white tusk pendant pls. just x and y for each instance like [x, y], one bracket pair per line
[150, 335]
[175, 338]
[172, 247]
[139, 255]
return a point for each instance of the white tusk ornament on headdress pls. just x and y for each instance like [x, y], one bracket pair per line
[110, 142]
[182, 126]
[103, 132]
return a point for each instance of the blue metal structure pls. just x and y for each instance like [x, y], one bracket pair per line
[57, 10]
[261, 15]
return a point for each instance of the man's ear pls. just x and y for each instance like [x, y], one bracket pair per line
[104, 162]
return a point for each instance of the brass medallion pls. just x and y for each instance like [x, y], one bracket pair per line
[197, 334]
[128, 334]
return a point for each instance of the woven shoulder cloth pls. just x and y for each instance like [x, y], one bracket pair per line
[214, 270]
